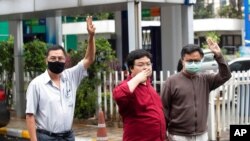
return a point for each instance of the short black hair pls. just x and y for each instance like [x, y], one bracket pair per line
[137, 54]
[190, 48]
[55, 47]
[179, 65]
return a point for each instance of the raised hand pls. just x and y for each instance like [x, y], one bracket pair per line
[214, 47]
[143, 75]
[90, 26]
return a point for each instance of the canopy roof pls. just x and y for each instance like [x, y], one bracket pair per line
[26, 9]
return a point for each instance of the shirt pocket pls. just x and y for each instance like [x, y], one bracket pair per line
[68, 96]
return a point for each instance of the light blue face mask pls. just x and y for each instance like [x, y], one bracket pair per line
[193, 67]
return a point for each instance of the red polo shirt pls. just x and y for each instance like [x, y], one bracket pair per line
[141, 111]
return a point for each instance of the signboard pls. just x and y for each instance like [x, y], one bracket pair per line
[247, 22]
[4, 32]
[34, 26]
[152, 12]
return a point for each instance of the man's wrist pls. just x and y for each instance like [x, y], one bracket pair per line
[217, 55]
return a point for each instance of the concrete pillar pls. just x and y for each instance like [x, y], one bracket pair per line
[16, 29]
[211, 117]
[134, 25]
[118, 32]
[54, 30]
[171, 27]
[187, 24]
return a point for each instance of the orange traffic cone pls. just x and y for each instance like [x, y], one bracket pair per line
[102, 130]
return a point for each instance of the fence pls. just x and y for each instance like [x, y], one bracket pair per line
[228, 104]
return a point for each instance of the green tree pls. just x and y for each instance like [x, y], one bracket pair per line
[86, 93]
[229, 11]
[1, 72]
[7, 62]
[34, 57]
[212, 35]
[203, 10]
[237, 4]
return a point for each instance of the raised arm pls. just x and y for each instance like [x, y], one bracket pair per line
[224, 73]
[89, 57]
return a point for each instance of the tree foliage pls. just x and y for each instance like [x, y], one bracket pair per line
[212, 35]
[202, 10]
[229, 11]
[205, 10]
[7, 64]
[87, 93]
[34, 57]
[7, 60]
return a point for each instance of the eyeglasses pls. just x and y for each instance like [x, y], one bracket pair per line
[193, 61]
[144, 64]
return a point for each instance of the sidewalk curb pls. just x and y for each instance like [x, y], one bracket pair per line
[25, 134]
[15, 132]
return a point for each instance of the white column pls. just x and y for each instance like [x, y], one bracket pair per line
[59, 36]
[16, 29]
[134, 25]
[211, 117]
[171, 36]
[187, 25]
[54, 30]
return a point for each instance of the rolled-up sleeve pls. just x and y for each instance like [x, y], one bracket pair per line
[32, 99]
[122, 96]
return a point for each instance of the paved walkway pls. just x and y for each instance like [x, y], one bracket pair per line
[83, 131]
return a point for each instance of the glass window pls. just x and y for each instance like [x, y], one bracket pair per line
[237, 40]
[235, 66]
[240, 66]
[230, 40]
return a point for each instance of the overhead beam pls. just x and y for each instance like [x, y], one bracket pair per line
[27, 9]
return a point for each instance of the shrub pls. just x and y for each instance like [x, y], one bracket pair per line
[87, 94]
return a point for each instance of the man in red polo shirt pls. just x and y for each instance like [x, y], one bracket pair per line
[139, 104]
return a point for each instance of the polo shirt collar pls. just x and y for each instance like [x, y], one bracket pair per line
[47, 78]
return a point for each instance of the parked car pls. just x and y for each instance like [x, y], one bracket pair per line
[237, 64]
[4, 112]
[240, 64]
[208, 62]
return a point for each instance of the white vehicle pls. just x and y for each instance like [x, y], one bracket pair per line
[237, 64]
[240, 64]
[208, 62]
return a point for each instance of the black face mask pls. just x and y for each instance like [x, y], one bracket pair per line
[56, 67]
